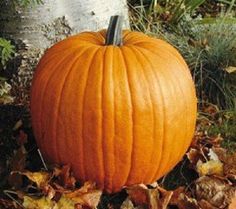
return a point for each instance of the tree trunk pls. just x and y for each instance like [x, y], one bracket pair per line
[34, 29]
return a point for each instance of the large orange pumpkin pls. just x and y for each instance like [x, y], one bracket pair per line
[118, 113]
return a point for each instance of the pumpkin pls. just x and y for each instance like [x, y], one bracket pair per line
[118, 106]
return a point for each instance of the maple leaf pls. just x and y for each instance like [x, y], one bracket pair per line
[153, 198]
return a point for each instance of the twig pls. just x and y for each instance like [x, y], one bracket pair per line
[41, 157]
[8, 194]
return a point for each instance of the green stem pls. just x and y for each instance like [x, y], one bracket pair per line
[114, 31]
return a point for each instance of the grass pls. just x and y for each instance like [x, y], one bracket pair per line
[209, 50]
[225, 126]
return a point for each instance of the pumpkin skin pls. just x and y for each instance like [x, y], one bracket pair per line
[119, 115]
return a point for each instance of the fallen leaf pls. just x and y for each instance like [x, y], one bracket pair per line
[164, 198]
[87, 195]
[138, 194]
[230, 69]
[9, 204]
[46, 203]
[214, 190]
[210, 167]
[64, 177]
[87, 187]
[65, 203]
[153, 198]
[229, 163]
[39, 203]
[193, 155]
[181, 199]
[40, 178]
[233, 202]
[127, 204]
[230, 166]
[206, 205]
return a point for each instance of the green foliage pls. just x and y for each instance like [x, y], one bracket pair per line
[6, 51]
[170, 11]
[26, 3]
[223, 123]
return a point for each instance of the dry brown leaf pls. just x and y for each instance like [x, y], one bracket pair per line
[138, 194]
[229, 162]
[9, 204]
[87, 187]
[230, 167]
[214, 190]
[206, 205]
[154, 198]
[193, 155]
[233, 202]
[181, 199]
[87, 195]
[176, 194]
[202, 141]
[89, 199]
[165, 197]
[64, 177]
[211, 109]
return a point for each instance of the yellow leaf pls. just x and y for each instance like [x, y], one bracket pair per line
[46, 203]
[31, 203]
[87, 195]
[65, 203]
[210, 167]
[230, 69]
[40, 178]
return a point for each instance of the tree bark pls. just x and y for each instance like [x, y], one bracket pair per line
[36, 28]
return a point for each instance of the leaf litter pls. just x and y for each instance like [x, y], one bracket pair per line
[56, 188]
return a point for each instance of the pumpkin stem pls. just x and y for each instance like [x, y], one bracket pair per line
[114, 31]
